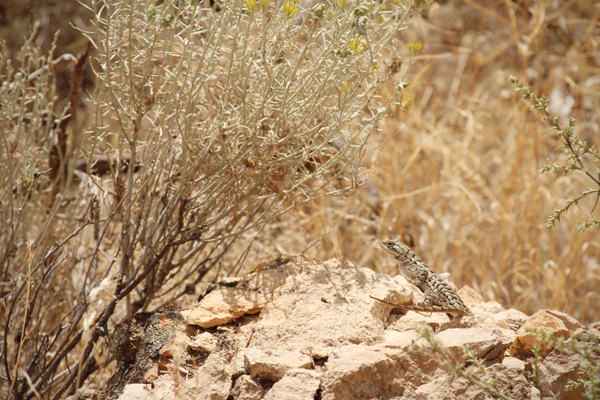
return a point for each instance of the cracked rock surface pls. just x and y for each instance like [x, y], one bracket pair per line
[301, 329]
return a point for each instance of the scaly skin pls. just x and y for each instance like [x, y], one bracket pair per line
[438, 295]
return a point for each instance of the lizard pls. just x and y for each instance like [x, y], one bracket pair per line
[438, 295]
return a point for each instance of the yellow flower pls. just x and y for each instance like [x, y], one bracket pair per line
[290, 9]
[354, 46]
[414, 45]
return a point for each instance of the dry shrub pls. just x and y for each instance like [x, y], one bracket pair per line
[204, 126]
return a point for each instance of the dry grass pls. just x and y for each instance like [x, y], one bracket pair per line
[457, 176]
[459, 173]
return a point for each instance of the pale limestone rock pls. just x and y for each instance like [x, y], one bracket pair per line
[515, 315]
[224, 304]
[561, 324]
[510, 334]
[469, 296]
[137, 391]
[391, 368]
[247, 388]
[504, 319]
[514, 363]
[486, 343]
[205, 342]
[327, 305]
[491, 307]
[297, 384]
[407, 322]
[402, 281]
[323, 311]
[571, 323]
[174, 348]
[272, 365]
[444, 388]
[510, 379]
[347, 351]
[215, 376]
[212, 380]
[402, 340]
[559, 369]
[363, 374]
[418, 366]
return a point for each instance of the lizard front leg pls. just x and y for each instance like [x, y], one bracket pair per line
[428, 300]
[417, 276]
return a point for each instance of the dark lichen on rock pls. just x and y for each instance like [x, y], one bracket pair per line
[136, 346]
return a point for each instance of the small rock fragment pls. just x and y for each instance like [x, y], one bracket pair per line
[223, 305]
[561, 324]
[274, 365]
[247, 388]
[297, 384]
[485, 343]
[204, 342]
[137, 391]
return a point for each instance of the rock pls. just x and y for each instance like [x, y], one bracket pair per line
[223, 305]
[509, 319]
[247, 388]
[436, 321]
[514, 363]
[490, 307]
[560, 324]
[216, 374]
[84, 394]
[204, 342]
[297, 384]
[594, 325]
[327, 305]
[509, 379]
[211, 380]
[512, 378]
[560, 368]
[137, 391]
[317, 333]
[272, 365]
[234, 297]
[402, 340]
[515, 315]
[492, 315]
[485, 343]
[362, 374]
[469, 296]
[444, 388]
[137, 347]
[571, 323]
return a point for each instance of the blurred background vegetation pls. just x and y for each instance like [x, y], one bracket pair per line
[457, 176]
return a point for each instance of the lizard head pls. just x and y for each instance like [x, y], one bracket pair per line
[398, 250]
